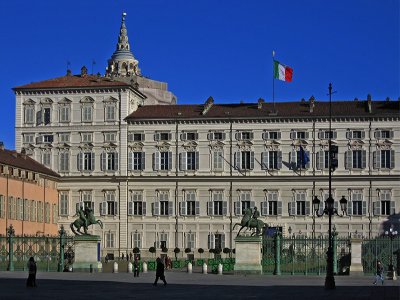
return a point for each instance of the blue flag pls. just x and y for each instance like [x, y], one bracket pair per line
[304, 159]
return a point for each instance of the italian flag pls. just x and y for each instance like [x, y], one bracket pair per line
[282, 72]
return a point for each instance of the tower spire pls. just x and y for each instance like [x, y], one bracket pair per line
[122, 62]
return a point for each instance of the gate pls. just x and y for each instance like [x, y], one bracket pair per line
[51, 253]
[302, 255]
[381, 248]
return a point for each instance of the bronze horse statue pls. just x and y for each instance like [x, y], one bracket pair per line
[80, 222]
[249, 223]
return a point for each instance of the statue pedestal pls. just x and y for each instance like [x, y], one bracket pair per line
[87, 254]
[248, 255]
[356, 267]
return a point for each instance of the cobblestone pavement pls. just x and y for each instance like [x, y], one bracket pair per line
[191, 286]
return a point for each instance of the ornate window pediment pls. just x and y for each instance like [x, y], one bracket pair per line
[163, 146]
[86, 146]
[29, 102]
[110, 100]
[46, 101]
[217, 145]
[87, 99]
[136, 146]
[190, 146]
[300, 142]
[65, 101]
[356, 144]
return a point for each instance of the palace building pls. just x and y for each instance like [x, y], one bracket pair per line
[167, 175]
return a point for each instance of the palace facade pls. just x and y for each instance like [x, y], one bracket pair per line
[167, 175]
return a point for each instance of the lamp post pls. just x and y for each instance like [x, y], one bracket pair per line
[329, 208]
[391, 234]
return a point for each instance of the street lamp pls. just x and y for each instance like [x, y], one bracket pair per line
[329, 208]
[391, 234]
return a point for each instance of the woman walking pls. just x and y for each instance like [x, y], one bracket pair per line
[160, 272]
[31, 281]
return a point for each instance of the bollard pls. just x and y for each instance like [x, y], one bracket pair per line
[129, 267]
[144, 267]
[189, 268]
[91, 268]
[219, 269]
[115, 269]
[204, 268]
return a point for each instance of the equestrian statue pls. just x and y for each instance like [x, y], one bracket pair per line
[86, 218]
[250, 221]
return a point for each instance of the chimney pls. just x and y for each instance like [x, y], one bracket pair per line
[207, 105]
[69, 72]
[83, 71]
[369, 103]
[260, 103]
[312, 104]
[1, 145]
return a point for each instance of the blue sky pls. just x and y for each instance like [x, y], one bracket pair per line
[219, 48]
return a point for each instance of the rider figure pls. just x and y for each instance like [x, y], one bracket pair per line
[83, 216]
[256, 213]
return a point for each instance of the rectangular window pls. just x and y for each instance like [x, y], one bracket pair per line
[357, 159]
[163, 242]
[29, 138]
[26, 209]
[273, 160]
[63, 204]
[55, 214]
[87, 161]
[190, 203]
[190, 240]
[385, 159]
[301, 135]
[63, 137]
[218, 160]
[356, 134]
[47, 213]
[272, 198]
[246, 160]
[245, 200]
[386, 203]
[357, 203]
[218, 136]
[162, 136]
[217, 203]
[87, 113]
[109, 161]
[29, 114]
[109, 240]
[46, 115]
[136, 240]
[246, 135]
[301, 204]
[136, 161]
[110, 137]
[386, 134]
[110, 112]
[111, 207]
[33, 212]
[40, 211]
[164, 204]
[191, 161]
[87, 137]
[164, 161]
[135, 137]
[20, 209]
[46, 159]
[64, 161]
[10, 210]
[136, 206]
[64, 114]
[2, 207]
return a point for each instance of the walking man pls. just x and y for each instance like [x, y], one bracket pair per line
[160, 272]
[379, 272]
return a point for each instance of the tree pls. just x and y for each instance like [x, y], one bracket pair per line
[226, 250]
[188, 250]
[201, 251]
[152, 250]
[176, 251]
[136, 250]
[164, 249]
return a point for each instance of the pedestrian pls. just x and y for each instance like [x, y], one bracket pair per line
[159, 272]
[130, 256]
[136, 267]
[127, 256]
[31, 281]
[123, 256]
[379, 272]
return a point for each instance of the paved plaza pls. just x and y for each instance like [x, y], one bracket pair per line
[191, 286]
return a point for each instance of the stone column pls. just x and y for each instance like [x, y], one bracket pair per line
[248, 255]
[356, 267]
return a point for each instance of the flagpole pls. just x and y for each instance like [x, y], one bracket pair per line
[273, 80]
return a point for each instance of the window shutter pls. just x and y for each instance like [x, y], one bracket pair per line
[103, 208]
[375, 159]
[364, 208]
[377, 208]
[223, 135]
[211, 241]
[264, 160]
[197, 160]
[170, 136]
[279, 159]
[237, 136]
[377, 134]
[182, 208]
[321, 134]
[238, 159]
[116, 161]
[392, 207]
[293, 135]
[391, 134]
[334, 135]
[92, 161]
[307, 166]
[307, 207]
[182, 161]
[265, 135]
[115, 208]
[348, 159]
[169, 160]
[156, 208]
[307, 134]
[392, 159]
[348, 135]
[320, 160]
[292, 208]
[237, 208]
[183, 136]
[156, 161]
[210, 208]
[362, 134]
[39, 117]
[349, 208]
[252, 204]
[130, 208]
[197, 208]
[157, 136]
[130, 161]
[80, 161]
[279, 208]
[224, 208]
[293, 158]
[251, 160]
[210, 136]
[264, 208]
[170, 208]
[364, 159]
[279, 135]
[251, 135]
[196, 136]
[143, 160]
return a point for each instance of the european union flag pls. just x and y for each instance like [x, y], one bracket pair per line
[304, 158]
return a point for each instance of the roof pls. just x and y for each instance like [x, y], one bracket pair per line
[15, 159]
[282, 109]
[74, 81]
